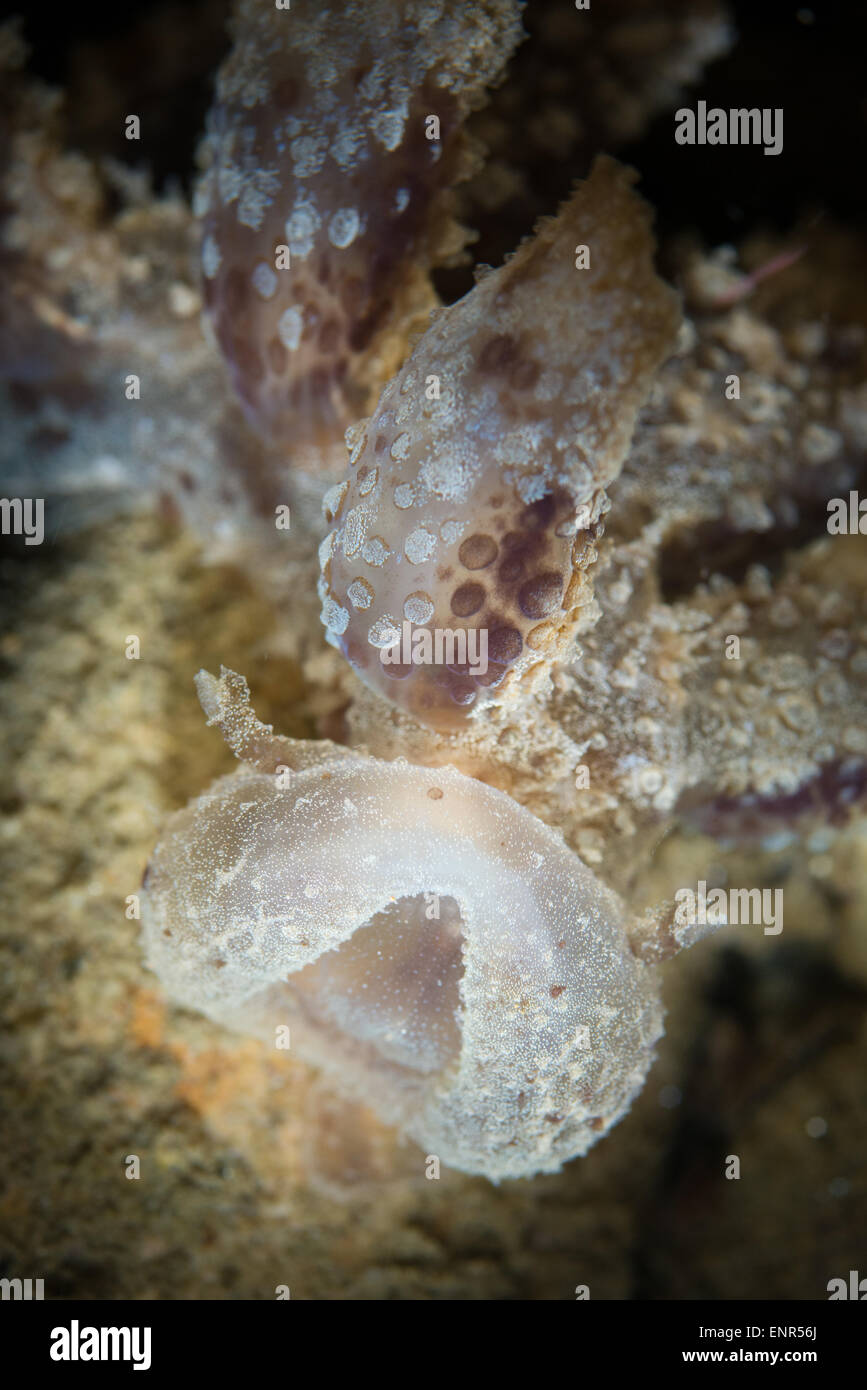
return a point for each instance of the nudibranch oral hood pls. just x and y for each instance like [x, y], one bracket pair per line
[430, 943]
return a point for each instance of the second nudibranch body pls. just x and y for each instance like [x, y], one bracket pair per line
[332, 145]
[475, 491]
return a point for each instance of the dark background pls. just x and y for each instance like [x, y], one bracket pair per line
[810, 61]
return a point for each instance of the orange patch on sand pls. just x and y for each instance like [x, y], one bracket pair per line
[284, 1121]
[214, 1080]
[147, 1018]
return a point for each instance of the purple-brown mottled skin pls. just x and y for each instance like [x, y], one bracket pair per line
[336, 132]
[474, 493]
[301, 134]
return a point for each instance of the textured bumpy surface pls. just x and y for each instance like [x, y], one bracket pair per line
[319, 141]
[475, 491]
[665, 721]
[429, 942]
[252, 1169]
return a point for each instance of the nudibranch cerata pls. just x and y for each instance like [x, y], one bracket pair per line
[456, 569]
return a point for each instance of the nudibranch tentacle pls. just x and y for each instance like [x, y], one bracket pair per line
[336, 134]
[226, 702]
[475, 491]
[429, 942]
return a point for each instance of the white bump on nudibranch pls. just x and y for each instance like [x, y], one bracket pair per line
[326, 549]
[401, 200]
[369, 483]
[375, 551]
[289, 326]
[264, 280]
[308, 154]
[211, 257]
[387, 127]
[333, 499]
[531, 487]
[418, 608]
[400, 448]
[343, 227]
[256, 197]
[448, 478]
[334, 616]
[228, 182]
[354, 527]
[360, 593]
[384, 632]
[356, 438]
[403, 496]
[301, 227]
[202, 199]
[347, 147]
[419, 546]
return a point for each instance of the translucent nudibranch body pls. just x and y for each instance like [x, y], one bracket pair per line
[336, 135]
[428, 941]
[474, 492]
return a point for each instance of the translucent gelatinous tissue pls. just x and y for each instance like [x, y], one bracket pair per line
[436, 948]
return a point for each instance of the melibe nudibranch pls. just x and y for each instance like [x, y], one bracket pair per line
[428, 942]
[476, 490]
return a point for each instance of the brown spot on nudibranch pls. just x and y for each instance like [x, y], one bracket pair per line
[477, 552]
[466, 600]
[504, 644]
[540, 595]
[498, 355]
[524, 375]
